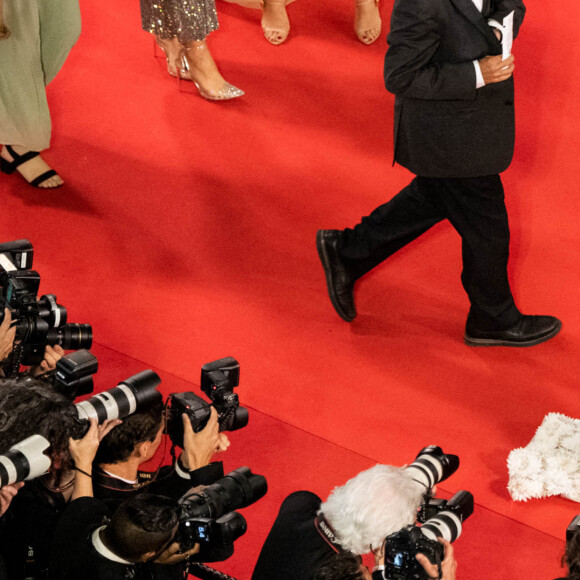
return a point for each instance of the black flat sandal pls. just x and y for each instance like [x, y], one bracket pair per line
[10, 167]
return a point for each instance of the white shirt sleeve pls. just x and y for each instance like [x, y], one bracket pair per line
[479, 82]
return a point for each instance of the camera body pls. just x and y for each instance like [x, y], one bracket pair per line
[218, 380]
[209, 516]
[39, 321]
[219, 532]
[401, 547]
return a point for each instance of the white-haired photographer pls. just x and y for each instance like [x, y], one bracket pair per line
[310, 535]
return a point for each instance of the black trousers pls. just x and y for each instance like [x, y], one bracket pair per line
[476, 209]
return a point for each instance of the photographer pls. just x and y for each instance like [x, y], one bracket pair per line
[88, 546]
[345, 566]
[116, 474]
[356, 518]
[29, 407]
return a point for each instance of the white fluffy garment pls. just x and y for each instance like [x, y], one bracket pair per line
[550, 463]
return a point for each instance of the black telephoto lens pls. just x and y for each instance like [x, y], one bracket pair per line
[72, 336]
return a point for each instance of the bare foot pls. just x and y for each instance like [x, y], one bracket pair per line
[204, 72]
[172, 50]
[275, 22]
[33, 168]
[367, 21]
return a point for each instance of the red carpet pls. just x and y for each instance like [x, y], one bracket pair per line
[186, 233]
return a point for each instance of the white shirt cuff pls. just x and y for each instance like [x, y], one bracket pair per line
[495, 24]
[183, 474]
[479, 82]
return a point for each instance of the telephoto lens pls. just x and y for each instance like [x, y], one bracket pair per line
[238, 489]
[135, 394]
[432, 466]
[71, 336]
[25, 460]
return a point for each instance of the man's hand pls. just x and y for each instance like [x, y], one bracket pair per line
[6, 495]
[51, 356]
[171, 555]
[496, 70]
[448, 566]
[83, 450]
[200, 447]
[7, 335]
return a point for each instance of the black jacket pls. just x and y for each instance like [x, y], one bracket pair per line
[444, 126]
[294, 549]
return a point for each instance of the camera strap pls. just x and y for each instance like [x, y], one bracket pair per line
[327, 533]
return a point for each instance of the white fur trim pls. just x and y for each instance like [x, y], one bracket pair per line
[550, 463]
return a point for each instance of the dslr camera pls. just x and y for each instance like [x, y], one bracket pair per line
[439, 518]
[39, 321]
[208, 516]
[218, 379]
[402, 546]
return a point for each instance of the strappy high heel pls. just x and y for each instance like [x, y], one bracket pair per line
[9, 167]
[365, 34]
[275, 35]
[225, 93]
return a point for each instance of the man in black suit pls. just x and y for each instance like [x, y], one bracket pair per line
[454, 129]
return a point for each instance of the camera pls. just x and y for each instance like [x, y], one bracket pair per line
[133, 395]
[73, 376]
[25, 460]
[218, 380]
[401, 547]
[208, 516]
[39, 321]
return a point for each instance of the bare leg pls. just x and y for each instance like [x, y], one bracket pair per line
[275, 22]
[367, 20]
[172, 50]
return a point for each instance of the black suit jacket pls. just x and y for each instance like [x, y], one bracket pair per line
[294, 549]
[444, 126]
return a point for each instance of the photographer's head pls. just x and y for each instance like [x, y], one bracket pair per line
[137, 437]
[344, 566]
[29, 407]
[372, 505]
[141, 528]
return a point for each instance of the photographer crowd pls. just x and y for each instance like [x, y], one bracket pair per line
[76, 504]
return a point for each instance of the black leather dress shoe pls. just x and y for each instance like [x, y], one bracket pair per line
[340, 284]
[528, 331]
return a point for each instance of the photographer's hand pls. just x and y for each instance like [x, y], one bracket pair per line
[200, 447]
[7, 335]
[83, 453]
[171, 554]
[448, 565]
[51, 356]
[6, 495]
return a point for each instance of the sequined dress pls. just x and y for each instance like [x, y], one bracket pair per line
[189, 20]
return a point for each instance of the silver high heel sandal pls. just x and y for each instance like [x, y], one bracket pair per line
[226, 92]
